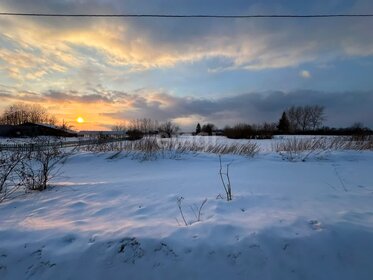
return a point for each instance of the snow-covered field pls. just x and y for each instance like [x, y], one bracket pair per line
[119, 219]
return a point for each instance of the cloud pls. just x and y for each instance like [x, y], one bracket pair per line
[58, 45]
[342, 108]
[106, 107]
[69, 64]
[305, 74]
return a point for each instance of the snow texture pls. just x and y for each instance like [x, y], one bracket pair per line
[118, 219]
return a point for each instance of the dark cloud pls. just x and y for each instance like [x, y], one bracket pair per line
[80, 53]
[75, 97]
[342, 108]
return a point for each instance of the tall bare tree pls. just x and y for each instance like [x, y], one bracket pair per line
[294, 114]
[146, 126]
[317, 116]
[120, 126]
[305, 117]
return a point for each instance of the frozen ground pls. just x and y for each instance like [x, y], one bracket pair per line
[118, 219]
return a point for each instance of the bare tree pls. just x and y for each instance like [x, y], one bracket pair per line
[21, 113]
[146, 126]
[305, 117]
[167, 129]
[65, 125]
[120, 126]
[317, 116]
[295, 117]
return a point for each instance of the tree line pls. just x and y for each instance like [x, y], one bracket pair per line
[137, 128]
[295, 119]
[301, 118]
[306, 119]
[20, 113]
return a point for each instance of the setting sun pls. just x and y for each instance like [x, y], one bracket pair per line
[80, 120]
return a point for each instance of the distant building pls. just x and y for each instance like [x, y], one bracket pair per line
[216, 132]
[101, 134]
[34, 130]
[202, 133]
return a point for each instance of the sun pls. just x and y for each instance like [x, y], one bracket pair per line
[80, 120]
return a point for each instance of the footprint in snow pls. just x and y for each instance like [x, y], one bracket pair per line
[166, 250]
[131, 250]
[92, 239]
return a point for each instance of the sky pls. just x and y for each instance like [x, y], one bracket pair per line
[188, 70]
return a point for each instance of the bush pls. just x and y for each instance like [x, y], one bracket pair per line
[246, 131]
[168, 129]
[134, 134]
[208, 128]
[31, 168]
[296, 148]
[42, 164]
[10, 170]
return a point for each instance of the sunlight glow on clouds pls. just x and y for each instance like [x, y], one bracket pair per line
[119, 68]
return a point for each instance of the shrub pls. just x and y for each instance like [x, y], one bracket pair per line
[246, 131]
[42, 164]
[168, 129]
[296, 148]
[134, 134]
[10, 170]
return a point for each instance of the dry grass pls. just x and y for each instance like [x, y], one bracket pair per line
[352, 143]
[292, 148]
[152, 147]
[296, 148]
